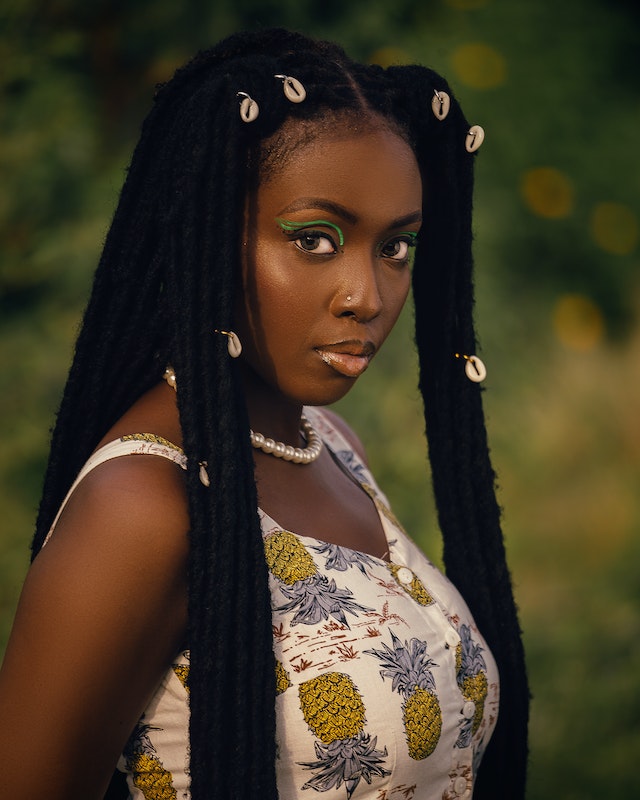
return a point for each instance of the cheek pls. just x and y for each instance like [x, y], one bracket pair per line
[397, 297]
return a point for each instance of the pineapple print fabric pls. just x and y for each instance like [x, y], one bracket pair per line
[385, 688]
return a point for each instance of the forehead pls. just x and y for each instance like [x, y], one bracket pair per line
[372, 169]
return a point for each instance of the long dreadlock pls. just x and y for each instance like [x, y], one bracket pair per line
[168, 275]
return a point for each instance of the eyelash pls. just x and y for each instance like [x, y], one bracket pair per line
[297, 236]
[410, 238]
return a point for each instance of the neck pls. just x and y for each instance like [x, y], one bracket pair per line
[270, 413]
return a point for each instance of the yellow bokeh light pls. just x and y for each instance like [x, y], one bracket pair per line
[547, 192]
[614, 228]
[390, 56]
[578, 322]
[478, 65]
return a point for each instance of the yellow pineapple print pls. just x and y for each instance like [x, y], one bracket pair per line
[282, 678]
[149, 776]
[332, 707]
[475, 687]
[409, 668]
[334, 711]
[312, 596]
[287, 558]
[182, 673]
[472, 679]
[382, 507]
[412, 585]
[422, 720]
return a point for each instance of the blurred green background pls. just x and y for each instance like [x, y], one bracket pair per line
[556, 86]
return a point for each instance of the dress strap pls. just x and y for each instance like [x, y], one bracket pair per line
[133, 444]
[338, 443]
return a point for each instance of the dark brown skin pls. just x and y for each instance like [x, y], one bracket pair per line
[103, 609]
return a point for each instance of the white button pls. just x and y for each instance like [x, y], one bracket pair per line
[405, 575]
[460, 785]
[451, 637]
[469, 709]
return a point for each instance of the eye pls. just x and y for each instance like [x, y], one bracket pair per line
[399, 247]
[316, 242]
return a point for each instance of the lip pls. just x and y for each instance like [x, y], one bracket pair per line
[349, 358]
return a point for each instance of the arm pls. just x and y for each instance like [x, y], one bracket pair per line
[102, 612]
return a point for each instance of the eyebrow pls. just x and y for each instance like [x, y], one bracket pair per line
[308, 203]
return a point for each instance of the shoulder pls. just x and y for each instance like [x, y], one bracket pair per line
[347, 432]
[102, 612]
[128, 499]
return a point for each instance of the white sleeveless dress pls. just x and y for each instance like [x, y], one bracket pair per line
[385, 688]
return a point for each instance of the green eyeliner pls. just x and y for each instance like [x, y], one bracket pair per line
[411, 234]
[294, 227]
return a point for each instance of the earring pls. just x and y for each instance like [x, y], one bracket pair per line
[440, 104]
[293, 89]
[249, 109]
[474, 368]
[234, 345]
[474, 139]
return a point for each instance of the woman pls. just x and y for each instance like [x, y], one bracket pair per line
[260, 254]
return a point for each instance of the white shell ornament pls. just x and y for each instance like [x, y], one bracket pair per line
[440, 104]
[475, 369]
[249, 109]
[474, 139]
[234, 345]
[294, 91]
[203, 474]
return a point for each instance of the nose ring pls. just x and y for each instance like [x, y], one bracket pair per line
[349, 297]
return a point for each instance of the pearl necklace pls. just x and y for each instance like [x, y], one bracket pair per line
[297, 455]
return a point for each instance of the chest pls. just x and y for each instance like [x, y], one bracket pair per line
[321, 501]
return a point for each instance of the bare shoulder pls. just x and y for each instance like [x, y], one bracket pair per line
[347, 431]
[102, 614]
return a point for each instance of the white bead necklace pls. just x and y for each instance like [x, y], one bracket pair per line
[297, 455]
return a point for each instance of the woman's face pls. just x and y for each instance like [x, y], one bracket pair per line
[326, 267]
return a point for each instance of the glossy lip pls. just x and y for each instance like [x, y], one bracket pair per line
[349, 358]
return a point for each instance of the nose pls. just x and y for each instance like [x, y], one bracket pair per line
[357, 293]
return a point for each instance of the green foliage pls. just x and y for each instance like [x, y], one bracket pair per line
[555, 86]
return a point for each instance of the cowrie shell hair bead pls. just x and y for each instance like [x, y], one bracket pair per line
[203, 474]
[474, 367]
[249, 109]
[293, 89]
[234, 345]
[440, 104]
[474, 139]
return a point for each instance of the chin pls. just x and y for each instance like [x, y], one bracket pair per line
[324, 395]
